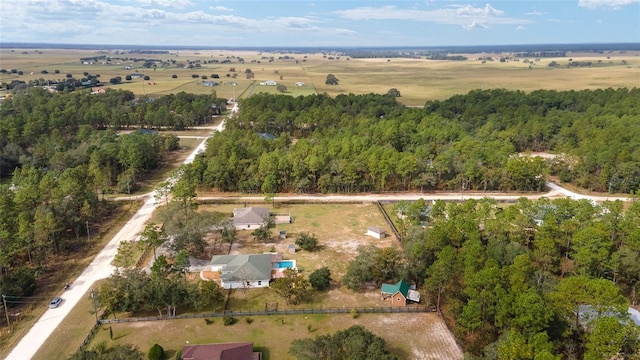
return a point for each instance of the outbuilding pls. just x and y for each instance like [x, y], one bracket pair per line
[397, 293]
[376, 232]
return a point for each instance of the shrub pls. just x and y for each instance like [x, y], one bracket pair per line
[354, 313]
[249, 320]
[156, 352]
[307, 242]
[321, 278]
[228, 320]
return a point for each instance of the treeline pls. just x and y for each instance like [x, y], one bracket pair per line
[548, 279]
[354, 143]
[38, 126]
[62, 152]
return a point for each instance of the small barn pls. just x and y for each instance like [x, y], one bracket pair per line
[397, 293]
[376, 232]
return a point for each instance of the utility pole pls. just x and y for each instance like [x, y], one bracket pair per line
[88, 235]
[95, 311]
[6, 312]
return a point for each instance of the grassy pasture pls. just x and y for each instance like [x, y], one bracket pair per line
[418, 80]
[414, 336]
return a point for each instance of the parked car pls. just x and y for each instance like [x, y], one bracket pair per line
[55, 303]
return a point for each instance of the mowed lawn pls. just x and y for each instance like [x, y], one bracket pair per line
[418, 80]
[410, 336]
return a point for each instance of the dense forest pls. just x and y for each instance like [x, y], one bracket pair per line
[355, 143]
[59, 152]
[512, 280]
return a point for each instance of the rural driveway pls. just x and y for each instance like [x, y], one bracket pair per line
[99, 268]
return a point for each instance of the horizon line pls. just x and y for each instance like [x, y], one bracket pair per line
[537, 46]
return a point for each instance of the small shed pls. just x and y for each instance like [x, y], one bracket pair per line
[292, 248]
[376, 232]
[398, 293]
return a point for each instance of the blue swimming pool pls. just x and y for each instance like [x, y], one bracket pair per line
[284, 264]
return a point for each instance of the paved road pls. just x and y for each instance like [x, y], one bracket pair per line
[99, 268]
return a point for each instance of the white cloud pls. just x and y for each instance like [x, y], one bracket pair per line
[534, 13]
[346, 32]
[475, 26]
[221, 8]
[178, 4]
[613, 4]
[467, 16]
[520, 28]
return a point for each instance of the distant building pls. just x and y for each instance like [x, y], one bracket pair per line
[136, 75]
[210, 83]
[299, 83]
[267, 136]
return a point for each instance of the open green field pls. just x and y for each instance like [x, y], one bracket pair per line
[418, 80]
[410, 336]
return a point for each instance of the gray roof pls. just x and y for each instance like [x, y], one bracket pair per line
[244, 267]
[250, 216]
[376, 230]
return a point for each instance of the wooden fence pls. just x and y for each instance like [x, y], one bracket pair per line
[342, 310]
[389, 222]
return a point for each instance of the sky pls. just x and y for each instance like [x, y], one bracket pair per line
[320, 23]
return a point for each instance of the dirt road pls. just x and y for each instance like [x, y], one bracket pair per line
[556, 191]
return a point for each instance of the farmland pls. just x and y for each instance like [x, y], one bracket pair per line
[418, 80]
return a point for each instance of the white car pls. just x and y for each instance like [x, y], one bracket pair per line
[55, 303]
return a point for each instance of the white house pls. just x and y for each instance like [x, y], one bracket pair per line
[299, 83]
[270, 83]
[250, 270]
[243, 271]
[250, 218]
[376, 232]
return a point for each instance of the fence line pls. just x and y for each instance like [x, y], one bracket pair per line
[389, 222]
[93, 330]
[307, 311]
